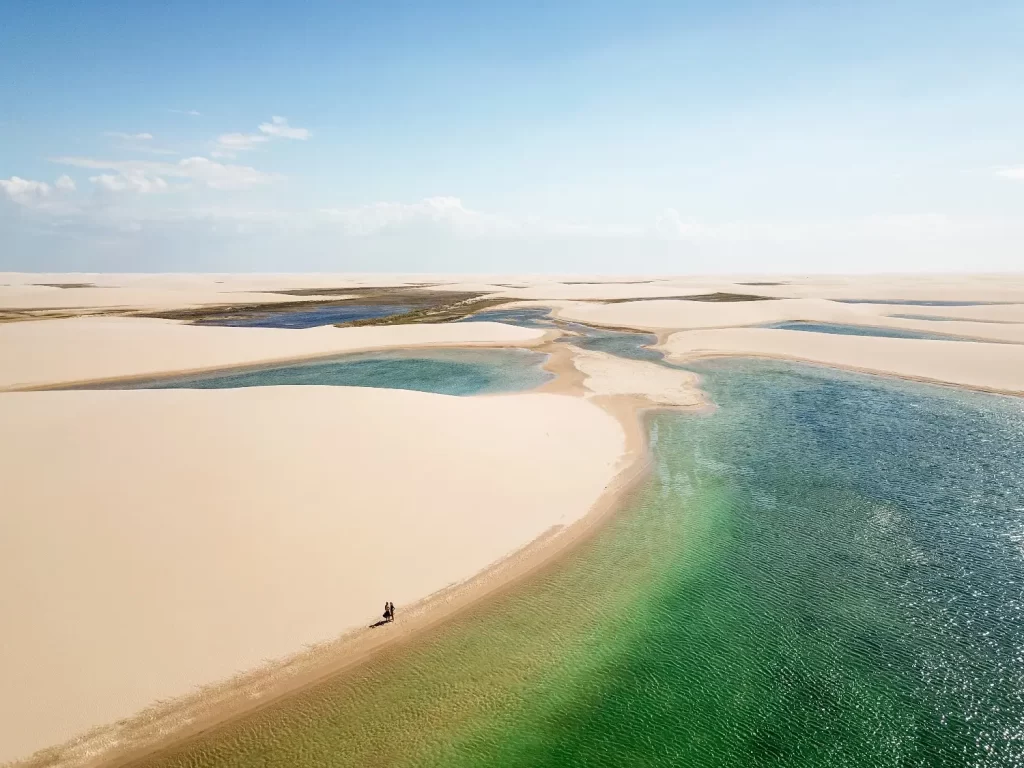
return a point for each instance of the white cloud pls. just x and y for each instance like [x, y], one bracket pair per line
[25, 191]
[189, 112]
[37, 194]
[134, 181]
[129, 136]
[199, 169]
[278, 126]
[1017, 174]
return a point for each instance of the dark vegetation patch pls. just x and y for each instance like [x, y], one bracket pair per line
[417, 305]
[66, 285]
[698, 297]
[606, 282]
[762, 283]
[436, 313]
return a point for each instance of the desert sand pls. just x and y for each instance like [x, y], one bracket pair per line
[167, 539]
[666, 314]
[164, 539]
[48, 352]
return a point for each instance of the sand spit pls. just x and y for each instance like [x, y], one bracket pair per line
[606, 374]
[50, 352]
[168, 538]
[976, 365]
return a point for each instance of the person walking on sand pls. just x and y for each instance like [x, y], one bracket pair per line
[391, 611]
[387, 611]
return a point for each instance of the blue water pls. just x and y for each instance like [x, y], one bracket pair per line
[619, 343]
[859, 330]
[528, 317]
[952, 319]
[449, 372]
[826, 572]
[310, 318]
[919, 303]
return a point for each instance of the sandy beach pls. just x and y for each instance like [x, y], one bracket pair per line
[167, 539]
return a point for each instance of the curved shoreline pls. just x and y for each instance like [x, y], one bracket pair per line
[166, 726]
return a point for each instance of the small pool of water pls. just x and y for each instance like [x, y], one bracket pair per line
[310, 318]
[954, 319]
[444, 371]
[861, 330]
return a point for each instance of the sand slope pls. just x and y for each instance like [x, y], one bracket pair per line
[156, 540]
[666, 314]
[997, 367]
[45, 352]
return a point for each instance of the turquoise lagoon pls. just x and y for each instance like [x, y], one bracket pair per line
[826, 571]
[447, 371]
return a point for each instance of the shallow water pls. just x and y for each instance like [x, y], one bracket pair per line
[919, 303]
[826, 571]
[860, 330]
[310, 318]
[445, 371]
[528, 317]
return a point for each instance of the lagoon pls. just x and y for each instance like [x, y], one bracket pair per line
[826, 571]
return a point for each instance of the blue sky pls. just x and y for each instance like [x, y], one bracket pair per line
[509, 137]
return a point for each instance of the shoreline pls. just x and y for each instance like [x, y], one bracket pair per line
[164, 727]
[172, 722]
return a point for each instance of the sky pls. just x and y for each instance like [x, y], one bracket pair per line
[615, 138]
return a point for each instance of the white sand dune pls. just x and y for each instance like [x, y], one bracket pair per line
[48, 352]
[667, 314]
[978, 365]
[154, 541]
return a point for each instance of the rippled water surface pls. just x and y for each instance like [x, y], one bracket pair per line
[450, 372]
[826, 571]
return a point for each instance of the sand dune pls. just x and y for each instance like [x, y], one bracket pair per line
[47, 352]
[157, 540]
[997, 367]
[666, 314]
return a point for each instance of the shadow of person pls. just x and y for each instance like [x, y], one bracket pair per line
[381, 622]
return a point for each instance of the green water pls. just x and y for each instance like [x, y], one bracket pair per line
[827, 571]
